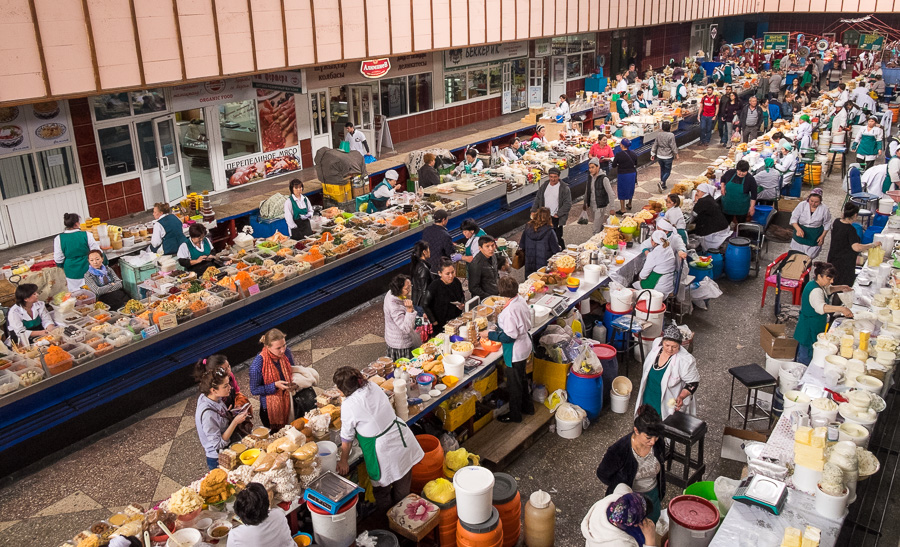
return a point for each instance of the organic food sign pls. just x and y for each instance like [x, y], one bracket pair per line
[256, 167]
[776, 41]
[871, 42]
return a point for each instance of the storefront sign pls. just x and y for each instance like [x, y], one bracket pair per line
[187, 97]
[543, 47]
[454, 58]
[871, 42]
[37, 126]
[256, 167]
[290, 81]
[349, 73]
[776, 41]
[375, 68]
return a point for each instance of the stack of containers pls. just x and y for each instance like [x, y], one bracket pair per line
[432, 464]
[508, 503]
[479, 522]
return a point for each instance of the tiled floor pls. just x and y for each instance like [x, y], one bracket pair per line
[148, 459]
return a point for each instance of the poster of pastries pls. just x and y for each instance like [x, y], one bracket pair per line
[36, 126]
[277, 119]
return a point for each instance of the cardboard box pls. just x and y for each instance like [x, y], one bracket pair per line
[787, 204]
[733, 442]
[775, 343]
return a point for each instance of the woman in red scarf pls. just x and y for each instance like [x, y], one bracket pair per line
[270, 380]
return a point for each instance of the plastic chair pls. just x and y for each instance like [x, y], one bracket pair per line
[756, 233]
[793, 286]
[867, 202]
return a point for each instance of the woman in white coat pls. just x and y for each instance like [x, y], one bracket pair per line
[675, 243]
[514, 324]
[670, 376]
[297, 212]
[389, 448]
[787, 163]
[659, 266]
[675, 215]
[811, 221]
[803, 133]
[618, 520]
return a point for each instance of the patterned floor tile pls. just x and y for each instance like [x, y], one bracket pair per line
[73, 503]
[164, 488]
[157, 458]
[7, 524]
[368, 339]
[321, 353]
[174, 411]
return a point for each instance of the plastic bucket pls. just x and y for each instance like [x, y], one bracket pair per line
[474, 490]
[761, 213]
[568, 429]
[821, 350]
[777, 403]
[703, 489]
[655, 297]
[338, 530]
[586, 391]
[592, 273]
[773, 365]
[432, 464]
[737, 259]
[328, 455]
[620, 301]
[692, 521]
[796, 400]
[617, 340]
[485, 534]
[787, 377]
[655, 317]
[718, 263]
[832, 507]
[383, 538]
[618, 403]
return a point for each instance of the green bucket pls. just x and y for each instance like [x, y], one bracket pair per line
[703, 489]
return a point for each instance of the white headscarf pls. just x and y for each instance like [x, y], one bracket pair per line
[707, 189]
[664, 225]
[659, 237]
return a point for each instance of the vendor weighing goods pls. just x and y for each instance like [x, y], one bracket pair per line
[330, 491]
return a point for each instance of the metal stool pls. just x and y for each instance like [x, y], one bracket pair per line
[834, 151]
[867, 208]
[684, 429]
[754, 378]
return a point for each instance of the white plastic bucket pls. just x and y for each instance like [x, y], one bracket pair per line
[656, 317]
[474, 491]
[567, 429]
[773, 365]
[832, 507]
[620, 300]
[796, 400]
[788, 378]
[886, 206]
[335, 530]
[618, 403]
[855, 433]
[592, 273]
[328, 455]
[821, 350]
[656, 298]
[647, 342]
[454, 365]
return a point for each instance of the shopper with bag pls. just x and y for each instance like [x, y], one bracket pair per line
[598, 194]
[214, 425]
[556, 196]
[270, 380]
[538, 241]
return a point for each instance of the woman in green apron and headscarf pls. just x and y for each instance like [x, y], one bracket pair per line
[297, 212]
[29, 317]
[622, 108]
[868, 143]
[71, 249]
[739, 192]
[659, 266]
[389, 448]
[811, 221]
[651, 84]
[768, 179]
[814, 310]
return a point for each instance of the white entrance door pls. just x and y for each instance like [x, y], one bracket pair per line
[535, 82]
[557, 78]
[506, 78]
[320, 117]
[362, 111]
[170, 169]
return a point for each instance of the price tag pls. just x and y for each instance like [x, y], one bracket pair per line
[167, 322]
[152, 330]
[254, 289]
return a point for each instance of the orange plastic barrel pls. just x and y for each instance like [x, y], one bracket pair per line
[896, 111]
[447, 521]
[432, 465]
[508, 502]
[486, 534]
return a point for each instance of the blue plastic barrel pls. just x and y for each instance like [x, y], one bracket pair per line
[700, 272]
[761, 213]
[869, 234]
[607, 356]
[718, 263]
[792, 190]
[613, 337]
[880, 219]
[586, 391]
[737, 259]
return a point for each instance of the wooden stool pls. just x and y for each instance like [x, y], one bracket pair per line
[754, 378]
[684, 429]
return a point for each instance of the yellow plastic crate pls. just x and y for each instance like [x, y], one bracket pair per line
[483, 421]
[487, 384]
[453, 418]
[338, 192]
[552, 375]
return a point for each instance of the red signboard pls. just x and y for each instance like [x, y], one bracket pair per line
[375, 68]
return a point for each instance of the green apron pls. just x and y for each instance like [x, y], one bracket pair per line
[74, 246]
[868, 146]
[651, 281]
[33, 324]
[653, 388]
[370, 455]
[474, 240]
[197, 253]
[810, 236]
[683, 233]
[886, 185]
[735, 201]
[641, 104]
[620, 110]
[304, 227]
[810, 323]
[379, 203]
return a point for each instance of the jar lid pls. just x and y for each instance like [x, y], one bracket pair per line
[693, 513]
[539, 499]
[604, 352]
[739, 241]
[487, 526]
[505, 488]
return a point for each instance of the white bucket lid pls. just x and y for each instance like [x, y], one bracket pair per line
[539, 499]
[473, 480]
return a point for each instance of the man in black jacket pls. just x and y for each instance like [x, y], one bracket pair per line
[751, 118]
[598, 195]
[439, 241]
[484, 270]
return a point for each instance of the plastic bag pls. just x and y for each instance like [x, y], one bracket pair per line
[587, 361]
[457, 459]
[724, 489]
[555, 399]
[705, 289]
[583, 218]
[440, 491]
[570, 412]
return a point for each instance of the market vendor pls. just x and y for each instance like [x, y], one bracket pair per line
[678, 246]
[472, 233]
[675, 215]
[659, 267]
[637, 461]
[710, 224]
[811, 221]
[787, 161]
[215, 425]
[621, 86]
[670, 376]
[298, 211]
[620, 520]
[718, 76]
[470, 163]
[513, 326]
[356, 139]
[70, 251]
[168, 233]
[261, 525]
[562, 109]
[651, 84]
[400, 319]
[381, 196]
[603, 151]
[739, 193]
[540, 135]
[680, 93]
[803, 133]
[840, 124]
[444, 298]
[104, 283]
[270, 380]
[196, 254]
[28, 318]
[639, 102]
[868, 143]
[389, 448]
[768, 178]
[622, 108]
[513, 152]
[814, 310]
[846, 245]
[484, 271]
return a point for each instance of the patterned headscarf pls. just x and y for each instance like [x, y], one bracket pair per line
[815, 192]
[673, 333]
[628, 511]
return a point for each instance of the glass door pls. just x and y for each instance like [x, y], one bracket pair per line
[535, 82]
[506, 79]
[557, 78]
[320, 119]
[170, 170]
[362, 111]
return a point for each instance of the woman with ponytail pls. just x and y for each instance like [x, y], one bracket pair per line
[71, 249]
[390, 449]
[215, 426]
[270, 380]
[814, 309]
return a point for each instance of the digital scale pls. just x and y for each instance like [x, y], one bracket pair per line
[330, 492]
[770, 494]
[557, 304]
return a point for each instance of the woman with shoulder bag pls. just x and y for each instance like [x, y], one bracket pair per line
[214, 426]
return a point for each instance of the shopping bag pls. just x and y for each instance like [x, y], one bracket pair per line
[583, 219]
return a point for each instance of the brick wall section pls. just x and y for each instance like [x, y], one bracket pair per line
[104, 201]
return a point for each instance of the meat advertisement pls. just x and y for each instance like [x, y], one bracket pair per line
[256, 167]
[277, 119]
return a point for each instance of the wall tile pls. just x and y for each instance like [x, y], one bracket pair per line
[99, 210]
[94, 195]
[134, 203]
[90, 174]
[132, 187]
[114, 191]
[117, 208]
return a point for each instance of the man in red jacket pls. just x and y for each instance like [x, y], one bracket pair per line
[709, 107]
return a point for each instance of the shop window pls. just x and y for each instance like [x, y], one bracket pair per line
[455, 87]
[420, 93]
[581, 58]
[473, 83]
[116, 151]
[112, 106]
[147, 145]
[588, 63]
[56, 167]
[559, 46]
[394, 97]
[573, 66]
[148, 101]
[496, 80]
[478, 83]
[17, 176]
[239, 128]
[29, 173]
